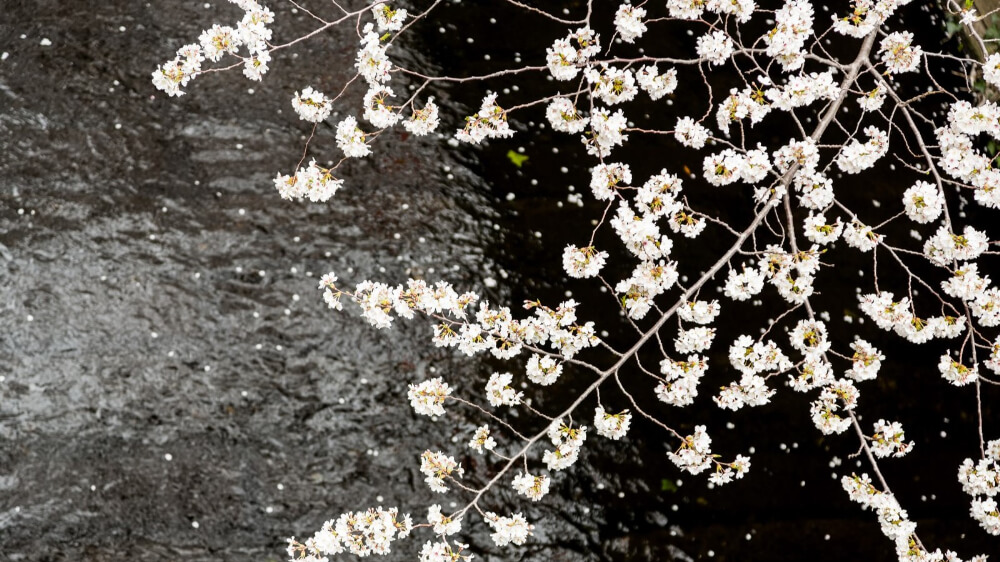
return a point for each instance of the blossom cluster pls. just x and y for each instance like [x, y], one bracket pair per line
[494, 330]
[567, 441]
[312, 182]
[890, 440]
[499, 392]
[442, 524]
[437, 466]
[865, 363]
[898, 54]
[981, 480]
[612, 426]
[695, 453]
[583, 262]
[489, 122]
[679, 386]
[533, 487]
[857, 157]
[628, 22]
[508, 530]
[654, 83]
[898, 316]
[482, 440]
[893, 519]
[362, 533]
[726, 472]
[866, 16]
[793, 24]
[444, 552]
[427, 398]
[311, 105]
[251, 32]
[567, 55]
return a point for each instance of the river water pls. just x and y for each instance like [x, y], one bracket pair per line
[171, 386]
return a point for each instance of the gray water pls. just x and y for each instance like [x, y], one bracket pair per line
[158, 300]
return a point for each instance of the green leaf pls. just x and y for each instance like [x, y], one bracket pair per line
[515, 158]
[667, 485]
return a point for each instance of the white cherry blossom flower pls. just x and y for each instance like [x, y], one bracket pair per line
[423, 121]
[437, 466]
[564, 117]
[690, 133]
[716, 47]
[499, 393]
[508, 530]
[387, 18]
[427, 398]
[612, 426]
[533, 487]
[655, 84]
[898, 54]
[628, 22]
[923, 202]
[890, 440]
[488, 123]
[442, 525]
[218, 41]
[351, 139]
[482, 440]
[583, 262]
[956, 373]
[377, 111]
[312, 105]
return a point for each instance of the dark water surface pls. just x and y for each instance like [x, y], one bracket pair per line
[158, 300]
[172, 388]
